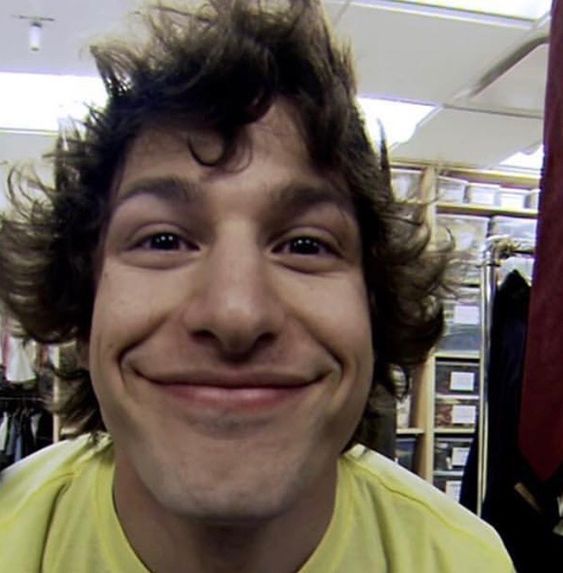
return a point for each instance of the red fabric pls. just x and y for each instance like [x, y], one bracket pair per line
[541, 417]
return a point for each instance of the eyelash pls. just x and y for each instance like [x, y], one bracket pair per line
[169, 237]
[321, 246]
[171, 241]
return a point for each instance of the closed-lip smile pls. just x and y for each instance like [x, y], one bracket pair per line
[232, 390]
[225, 379]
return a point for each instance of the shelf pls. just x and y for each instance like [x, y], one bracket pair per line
[484, 210]
[459, 431]
[448, 473]
[505, 178]
[457, 354]
[425, 400]
[461, 395]
[409, 431]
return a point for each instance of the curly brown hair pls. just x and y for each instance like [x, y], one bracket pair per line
[218, 68]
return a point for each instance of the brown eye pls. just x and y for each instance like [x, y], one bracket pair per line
[306, 246]
[164, 242]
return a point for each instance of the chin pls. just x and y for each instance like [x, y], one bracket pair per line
[248, 487]
[224, 504]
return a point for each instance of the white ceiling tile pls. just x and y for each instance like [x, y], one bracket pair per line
[400, 55]
[521, 87]
[423, 57]
[23, 146]
[528, 9]
[335, 9]
[470, 138]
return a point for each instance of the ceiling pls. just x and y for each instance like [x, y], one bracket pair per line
[484, 74]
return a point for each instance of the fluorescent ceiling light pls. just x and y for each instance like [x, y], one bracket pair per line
[525, 161]
[39, 102]
[399, 119]
[529, 9]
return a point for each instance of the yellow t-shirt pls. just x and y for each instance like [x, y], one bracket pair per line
[57, 516]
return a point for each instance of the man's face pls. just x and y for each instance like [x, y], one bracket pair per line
[231, 345]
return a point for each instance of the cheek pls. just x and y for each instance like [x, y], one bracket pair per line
[352, 343]
[343, 314]
[337, 316]
[124, 313]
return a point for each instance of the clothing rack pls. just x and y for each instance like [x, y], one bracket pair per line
[22, 399]
[496, 250]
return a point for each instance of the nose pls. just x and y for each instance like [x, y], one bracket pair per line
[235, 307]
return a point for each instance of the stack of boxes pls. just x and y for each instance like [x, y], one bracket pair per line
[456, 373]
[456, 411]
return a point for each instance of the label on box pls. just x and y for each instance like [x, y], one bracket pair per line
[459, 456]
[462, 381]
[464, 414]
[453, 489]
[466, 314]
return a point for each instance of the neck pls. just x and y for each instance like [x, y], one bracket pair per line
[171, 543]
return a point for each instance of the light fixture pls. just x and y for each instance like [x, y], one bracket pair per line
[522, 9]
[528, 9]
[60, 97]
[35, 29]
[398, 118]
[525, 161]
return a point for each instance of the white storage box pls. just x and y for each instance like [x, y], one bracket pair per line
[450, 190]
[456, 412]
[405, 452]
[514, 227]
[482, 193]
[462, 334]
[449, 483]
[451, 452]
[512, 198]
[469, 232]
[405, 183]
[456, 377]
[533, 199]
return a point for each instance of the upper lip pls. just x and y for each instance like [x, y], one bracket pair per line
[233, 379]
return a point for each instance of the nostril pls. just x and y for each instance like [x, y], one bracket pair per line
[235, 307]
[234, 346]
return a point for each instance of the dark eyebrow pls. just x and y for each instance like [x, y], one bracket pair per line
[290, 200]
[299, 197]
[170, 188]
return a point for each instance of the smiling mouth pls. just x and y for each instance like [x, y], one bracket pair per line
[232, 397]
[223, 391]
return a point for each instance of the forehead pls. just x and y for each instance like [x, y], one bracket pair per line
[275, 140]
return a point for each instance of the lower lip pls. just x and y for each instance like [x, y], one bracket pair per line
[232, 398]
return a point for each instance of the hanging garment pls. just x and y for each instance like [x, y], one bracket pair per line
[507, 347]
[514, 502]
[541, 420]
[4, 430]
[42, 430]
[13, 432]
[25, 427]
[27, 438]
